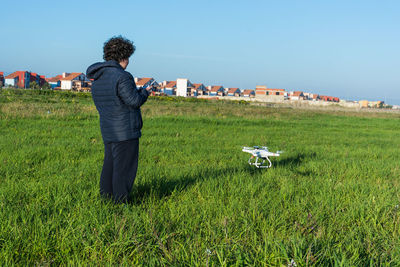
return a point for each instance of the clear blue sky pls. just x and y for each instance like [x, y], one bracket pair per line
[349, 49]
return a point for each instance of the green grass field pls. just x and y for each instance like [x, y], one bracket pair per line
[333, 197]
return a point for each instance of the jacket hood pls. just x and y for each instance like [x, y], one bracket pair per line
[96, 70]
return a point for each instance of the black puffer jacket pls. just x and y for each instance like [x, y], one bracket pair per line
[117, 100]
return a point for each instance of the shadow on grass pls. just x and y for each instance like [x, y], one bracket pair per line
[297, 160]
[164, 187]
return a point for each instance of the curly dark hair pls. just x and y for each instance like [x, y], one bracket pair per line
[118, 48]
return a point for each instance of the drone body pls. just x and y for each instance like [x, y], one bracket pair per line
[260, 153]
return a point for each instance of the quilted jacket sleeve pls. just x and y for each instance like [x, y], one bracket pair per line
[128, 93]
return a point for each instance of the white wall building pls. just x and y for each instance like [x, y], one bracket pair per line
[11, 81]
[183, 87]
[68, 79]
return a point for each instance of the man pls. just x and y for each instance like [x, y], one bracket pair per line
[118, 102]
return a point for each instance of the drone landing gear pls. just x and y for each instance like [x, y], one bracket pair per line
[260, 164]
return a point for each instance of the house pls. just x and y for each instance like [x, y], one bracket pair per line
[325, 98]
[145, 83]
[216, 90]
[35, 78]
[42, 80]
[265, 92]
[1, 79]
[275, 92]
[11, 80]
[311, 96]
[315, 97]
[199, 89]
[329, 98]
[377, 104]
[233, 92]
[297, 95]
[248, 93]
[149, 84]
[261, 90]
[20, 79]
[74, 81]
[371, 104]
[276, 95]
[82, 86]
[363, 103]
[168, 87]
[55, 81]
[184, 88]
[270, 94]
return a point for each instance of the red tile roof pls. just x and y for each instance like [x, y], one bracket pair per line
[248, 91]
[232, 90]
[297, 93]
[215, 88]
[13, 75]
[55, 79]
[197, 85]
[329, 98]
[143, 81]
[71, 76]
[170, 84]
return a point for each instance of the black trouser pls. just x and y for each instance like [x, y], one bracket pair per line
[119, 169]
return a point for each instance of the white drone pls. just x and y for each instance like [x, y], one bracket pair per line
[260, 153]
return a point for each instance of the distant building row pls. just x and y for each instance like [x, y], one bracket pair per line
[181, 87]
[66, 81]
[78, 81]
[185, 88]
[278, 95]
[21, 79]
